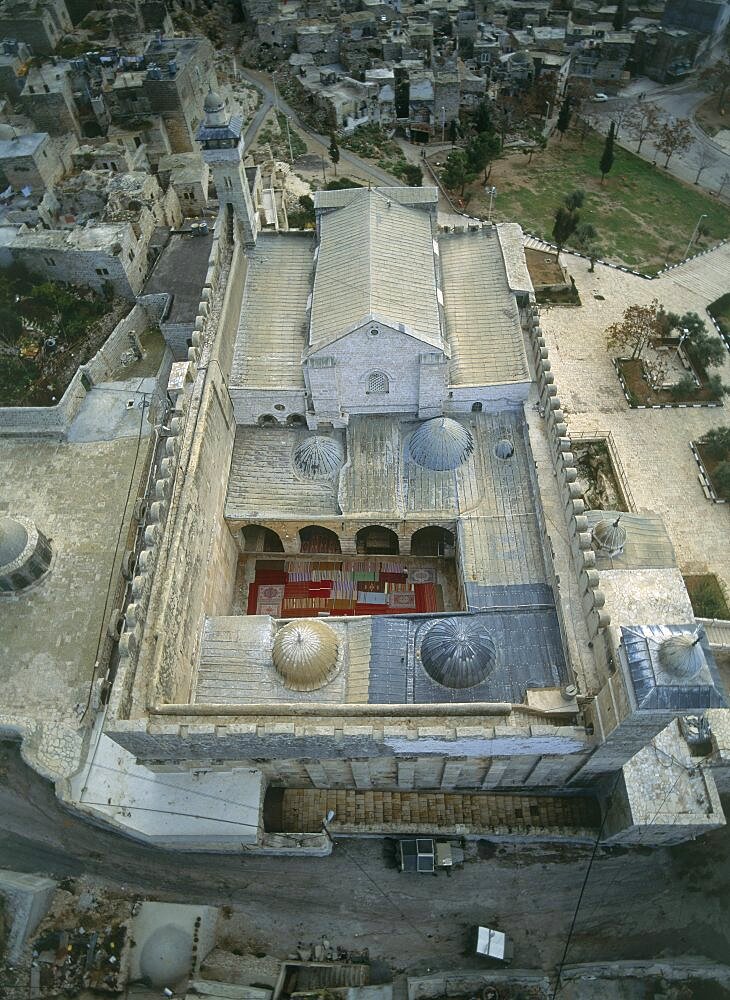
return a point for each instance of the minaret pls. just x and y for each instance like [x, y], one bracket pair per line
[221, 137]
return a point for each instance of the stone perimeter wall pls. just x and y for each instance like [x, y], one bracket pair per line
[205, 393]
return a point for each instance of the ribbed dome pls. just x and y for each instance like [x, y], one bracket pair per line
[458, 652]
[440, 444]
[305, 655]
[504, 448]
[318, 457]
[682, 656]
[13, 540]
[609, 536]
[213, 102]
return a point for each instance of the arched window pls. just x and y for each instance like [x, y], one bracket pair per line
[378, 382]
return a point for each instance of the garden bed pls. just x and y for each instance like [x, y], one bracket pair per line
[59, 328]
[597, 477]
[640, 394]
[707, 596]
[707, 465]
[719, 311]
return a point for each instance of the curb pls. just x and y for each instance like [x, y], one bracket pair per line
[707, 487]
[659, 406]
[622, 267]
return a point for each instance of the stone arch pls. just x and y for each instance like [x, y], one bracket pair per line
[267, 420]
[296, 420]
[432, 540]
[377, 540]
[477, 407]
[315, 538]
[257, 538]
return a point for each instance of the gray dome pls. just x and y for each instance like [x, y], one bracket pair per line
[504, 448]
[318, 457]
[458, 652]
[13, 540]
[213, 102]
[305, 654]
[166, 956]
[682, 656]
[609, 536]
[441, 444]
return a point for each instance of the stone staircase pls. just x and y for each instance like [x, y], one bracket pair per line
[311, 978]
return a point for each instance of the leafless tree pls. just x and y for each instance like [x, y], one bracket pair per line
[639, 325]
[674, 137]
[656, 372]
[724, 182]
[620, 115]
[705, 158]
[643, 121]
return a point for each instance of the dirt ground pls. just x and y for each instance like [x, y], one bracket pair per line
[543, 267]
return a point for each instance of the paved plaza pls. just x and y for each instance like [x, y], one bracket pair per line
[653, 445]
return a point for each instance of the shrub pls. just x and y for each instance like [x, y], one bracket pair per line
[721, 480]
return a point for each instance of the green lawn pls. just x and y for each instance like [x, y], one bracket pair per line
[644, 217]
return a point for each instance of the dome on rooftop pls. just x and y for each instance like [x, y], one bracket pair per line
[504, 448]
[609, 536]
[25, 553]
[682, 656]
[305, 654]
[166, 956]
[458, 652]
[13, 540]
[440, 444]
[213, 102]
[318, 457]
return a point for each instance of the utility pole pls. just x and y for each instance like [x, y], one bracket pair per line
[443, 123]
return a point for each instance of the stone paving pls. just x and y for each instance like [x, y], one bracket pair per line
[48, 634]
[653, 445]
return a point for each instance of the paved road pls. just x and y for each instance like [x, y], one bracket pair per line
[678, 101]
[320, 143]
[638, 903]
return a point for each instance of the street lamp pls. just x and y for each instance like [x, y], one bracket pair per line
[492, 192]
[443, 122]
[547, 112]
[694, 234]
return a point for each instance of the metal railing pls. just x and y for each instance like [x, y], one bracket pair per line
[616, 466]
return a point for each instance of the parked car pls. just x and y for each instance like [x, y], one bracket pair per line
[600, 98]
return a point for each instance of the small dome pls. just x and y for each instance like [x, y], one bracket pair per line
[682, 656]
[504, 448]
[318, 457]
[166, 956]
[305, 655]
[440, 444]
[13, 540]
[609, 536]
[213, 102]
[458, 652]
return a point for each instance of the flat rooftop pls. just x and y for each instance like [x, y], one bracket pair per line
[180, 271]
[77, 494]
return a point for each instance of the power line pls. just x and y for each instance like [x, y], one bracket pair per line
[173, 812]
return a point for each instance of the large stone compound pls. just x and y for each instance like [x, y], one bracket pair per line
[338, 552]
[370, 567]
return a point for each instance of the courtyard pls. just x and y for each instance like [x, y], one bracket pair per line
[653, 445]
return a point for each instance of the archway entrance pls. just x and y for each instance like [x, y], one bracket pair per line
[432, 541]
[375, 540]
[313, 538]
[257, 538]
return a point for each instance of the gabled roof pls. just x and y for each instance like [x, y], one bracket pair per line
[376, 261]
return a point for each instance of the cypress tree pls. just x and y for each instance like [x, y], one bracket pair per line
[619, 18]
[564, 117]
[607, 155]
